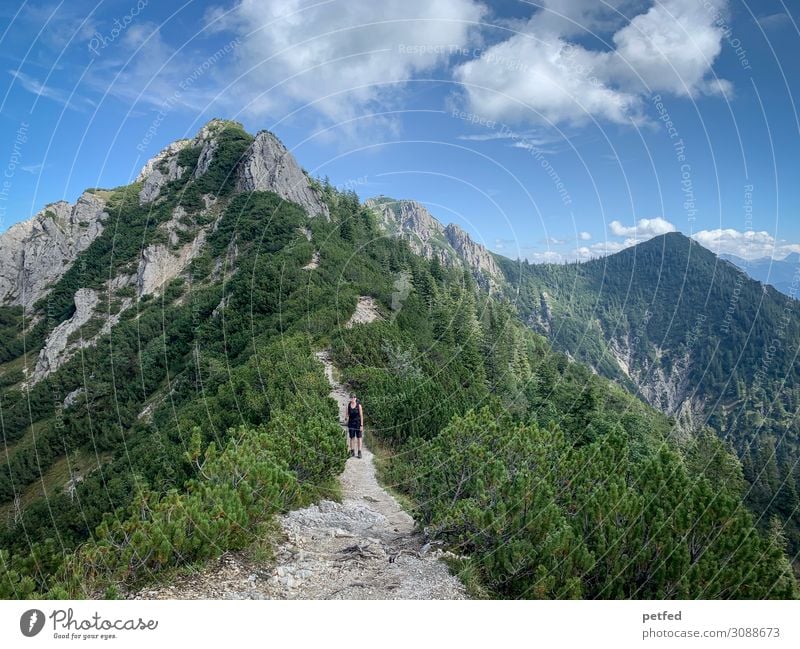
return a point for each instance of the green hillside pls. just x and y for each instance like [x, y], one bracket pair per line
[696, 338]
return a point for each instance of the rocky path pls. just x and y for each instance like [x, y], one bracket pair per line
[365, 547]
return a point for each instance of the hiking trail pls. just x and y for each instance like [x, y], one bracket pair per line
[365, 547]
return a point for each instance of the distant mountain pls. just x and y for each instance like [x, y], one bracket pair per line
[783, 274]
[693, 336]
[426, 236]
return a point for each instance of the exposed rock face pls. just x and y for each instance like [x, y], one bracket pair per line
[159, 265]
[414, 223]
[164, 167]
[669, 390]
[72, 398]
[366, 311]
[160, 170]
[428, 237]
[54, 355]
[269, 166]
[36, 253]
[206, 156]
[476, 256]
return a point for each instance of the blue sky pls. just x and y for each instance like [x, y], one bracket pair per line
[541, 128]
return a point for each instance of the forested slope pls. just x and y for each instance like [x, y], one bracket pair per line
[696, 338]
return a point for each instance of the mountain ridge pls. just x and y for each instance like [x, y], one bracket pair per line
[448, 244]
[782, 274]
[183, 407]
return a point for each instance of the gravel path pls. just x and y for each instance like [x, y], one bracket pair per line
[363, 548]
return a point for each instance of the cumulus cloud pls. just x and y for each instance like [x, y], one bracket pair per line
[749, 244]
[600, 249]
[644, 229]
[669, 46]
[340, 57]
[585, 236]
[546, 257]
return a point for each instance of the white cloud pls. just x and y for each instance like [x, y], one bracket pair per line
[748, 244]
[32, 85]
[599, 249]
[775, 21]
[342, 57]
[528, 76]
[644, 229]
[540, 70]
[546, 257]
[671, 47]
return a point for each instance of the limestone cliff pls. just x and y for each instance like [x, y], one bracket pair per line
[36, 253]
[269, 166]
[160, 170]
[475, 255]
[428, 237]
[54, 353]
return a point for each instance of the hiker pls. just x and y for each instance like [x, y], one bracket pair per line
[355, 424]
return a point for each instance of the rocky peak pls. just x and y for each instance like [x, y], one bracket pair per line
[164, 156]
[476, 256]
[268, 166]
[164, 167]
[36, 253]
[405, 216]
[428, 237]
[412, 221]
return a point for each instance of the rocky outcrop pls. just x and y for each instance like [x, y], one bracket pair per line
[411, 221]
[164, 167]
[35, 254]
[668, 389]
[160, 170]
[72, 398]
[268, 166]
[366, 311]
[206, 156]
[159, 265]
[54, 354]
[426, 236]
[476, 256]
[664, 389]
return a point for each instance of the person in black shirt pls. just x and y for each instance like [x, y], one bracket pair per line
[355, 425]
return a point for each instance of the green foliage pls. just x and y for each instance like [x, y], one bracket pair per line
[234, 351]
[553, 481]
[543, 518]
[259, 472]
[668, 300]
[11, 325]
